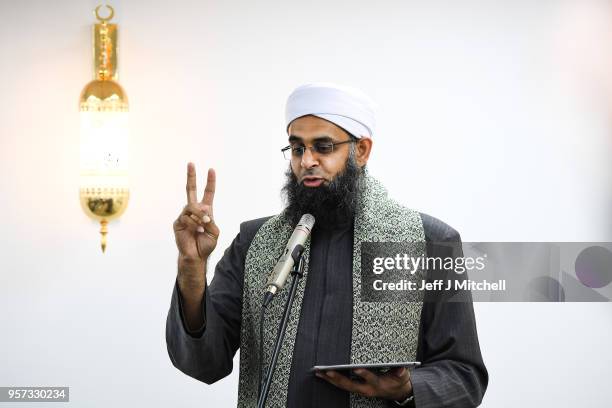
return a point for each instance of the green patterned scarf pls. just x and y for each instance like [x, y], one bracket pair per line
[382, 331]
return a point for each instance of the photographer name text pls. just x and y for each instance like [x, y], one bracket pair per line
[441, 284]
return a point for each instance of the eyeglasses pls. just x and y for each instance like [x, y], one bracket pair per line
[322, 148]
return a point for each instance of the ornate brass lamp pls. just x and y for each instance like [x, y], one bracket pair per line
[104, 190]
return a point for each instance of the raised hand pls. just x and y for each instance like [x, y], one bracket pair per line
[195, 231]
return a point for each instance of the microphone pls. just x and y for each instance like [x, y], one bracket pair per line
[291, 255]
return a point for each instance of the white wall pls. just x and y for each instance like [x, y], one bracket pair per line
[512, 100]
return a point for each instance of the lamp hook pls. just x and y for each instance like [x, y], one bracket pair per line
[104, 19]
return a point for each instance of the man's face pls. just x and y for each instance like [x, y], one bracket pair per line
[314, 169]
[325, 185]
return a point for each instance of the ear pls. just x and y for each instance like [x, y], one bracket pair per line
[363, 147]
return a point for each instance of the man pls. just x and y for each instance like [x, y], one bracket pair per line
[330, 131]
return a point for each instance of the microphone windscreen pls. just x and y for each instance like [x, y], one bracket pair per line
[307, 220]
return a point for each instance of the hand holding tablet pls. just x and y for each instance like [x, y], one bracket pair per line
[376, 368]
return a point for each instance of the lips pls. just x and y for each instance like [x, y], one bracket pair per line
[312, 181]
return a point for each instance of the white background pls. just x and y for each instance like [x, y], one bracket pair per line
[493, 116]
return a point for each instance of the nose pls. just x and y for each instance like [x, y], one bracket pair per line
[308, 159]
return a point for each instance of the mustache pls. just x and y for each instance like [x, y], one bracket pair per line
[311, 173]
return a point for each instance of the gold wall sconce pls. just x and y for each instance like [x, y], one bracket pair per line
[103, 106]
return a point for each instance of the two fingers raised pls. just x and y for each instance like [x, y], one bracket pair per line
[192, 190]
[196, 215]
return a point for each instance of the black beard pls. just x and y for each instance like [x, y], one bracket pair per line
[329, 204]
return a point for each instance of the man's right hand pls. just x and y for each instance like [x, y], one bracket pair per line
[196, 234]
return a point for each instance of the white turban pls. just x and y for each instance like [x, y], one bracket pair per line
[346, 107]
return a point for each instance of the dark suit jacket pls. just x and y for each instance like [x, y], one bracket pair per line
[452, 374]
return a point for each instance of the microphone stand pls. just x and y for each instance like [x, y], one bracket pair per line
[297, 272]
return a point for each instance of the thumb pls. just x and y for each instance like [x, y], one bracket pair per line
[208, 211]
[400, 371]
